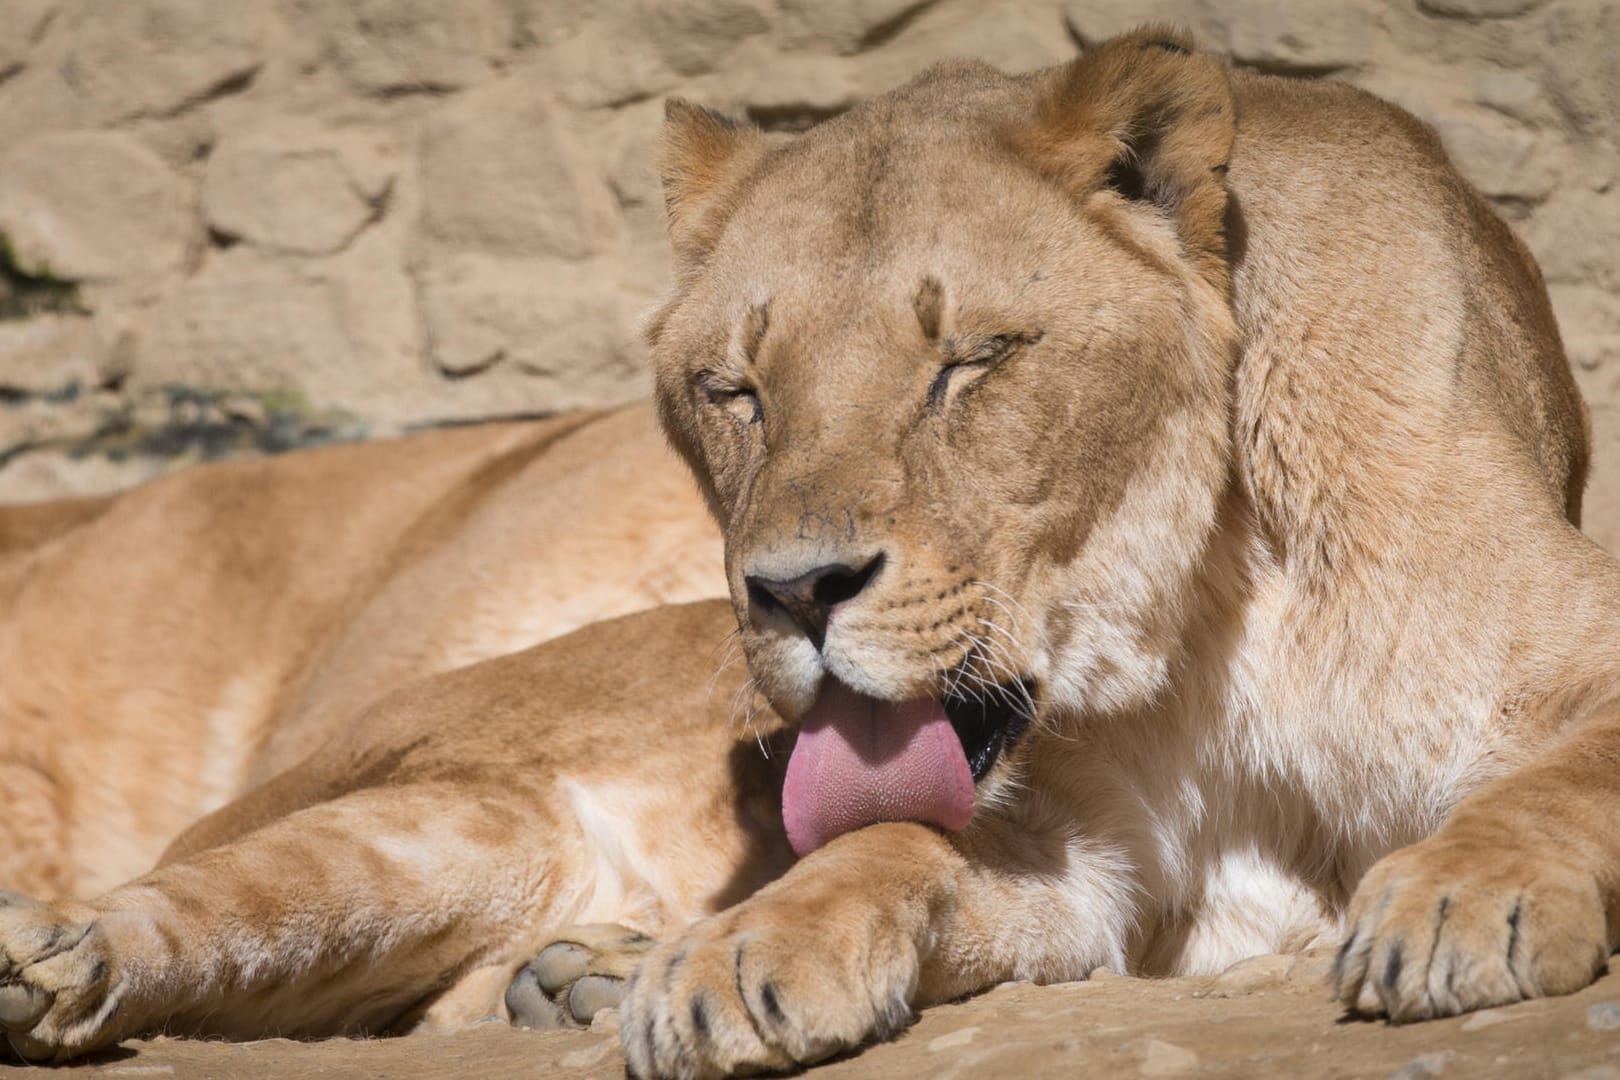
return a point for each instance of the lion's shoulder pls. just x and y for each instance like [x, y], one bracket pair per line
[1372, 278]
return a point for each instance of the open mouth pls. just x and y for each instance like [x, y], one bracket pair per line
[858, 760]
[990, 722]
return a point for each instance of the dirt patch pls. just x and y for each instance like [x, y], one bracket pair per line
[1265, 1017]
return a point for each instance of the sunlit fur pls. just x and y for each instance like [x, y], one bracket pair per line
[1273, 505]
[1211, 411]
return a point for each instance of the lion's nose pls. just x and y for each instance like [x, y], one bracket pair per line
[810, 598]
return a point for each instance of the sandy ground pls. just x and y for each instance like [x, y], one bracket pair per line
[1265, 1017]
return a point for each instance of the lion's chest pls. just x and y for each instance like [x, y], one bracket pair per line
[1297, 749]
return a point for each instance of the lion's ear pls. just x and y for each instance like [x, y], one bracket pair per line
[704, 160]
[1149, 117]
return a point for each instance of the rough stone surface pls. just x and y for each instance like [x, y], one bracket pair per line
[1424, 1065]
[247, 319]
[845, 26]
[91, 205]
[401, 46]
[1306, 36]
[1483, 9]
[1114, 1027]
[1604, 1016]
[300, 191]
[19, 30]
[1247, 976]
[531, 322]
[44, 355]
[695, 36]
[438, 211]
[155, 57]
[502, 174]
[250, 321]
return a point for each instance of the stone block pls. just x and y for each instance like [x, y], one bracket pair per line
[1478, 9]
[845, 26]
[303, 191]
[694, 36]
[541, 333]
[501, 173]
[155, 57]
[92, 205]
[405, 46]
[20, 29]
[255, 323]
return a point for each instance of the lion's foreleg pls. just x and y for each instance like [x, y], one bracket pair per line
[1517, 896]
[337, 918]
[845, 947]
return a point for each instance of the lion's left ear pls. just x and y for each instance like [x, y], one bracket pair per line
[705, 158]
[1147, 116]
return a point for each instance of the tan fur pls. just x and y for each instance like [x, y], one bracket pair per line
[164, 652]
[1212, 411]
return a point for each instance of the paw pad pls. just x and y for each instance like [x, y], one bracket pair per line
[575, 977]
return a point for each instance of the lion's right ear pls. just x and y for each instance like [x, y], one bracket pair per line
[704, 160]
[1148, 117]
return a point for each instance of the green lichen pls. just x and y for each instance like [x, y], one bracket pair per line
[180, 423]
[286, 401]
[207, 424]
[29, 293]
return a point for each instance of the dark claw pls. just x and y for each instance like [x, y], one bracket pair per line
[773, 1008]
[1392, 967]
[700, 1017]
[1341, 956]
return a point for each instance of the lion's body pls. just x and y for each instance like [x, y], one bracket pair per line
[175, 647]
[1260, 492]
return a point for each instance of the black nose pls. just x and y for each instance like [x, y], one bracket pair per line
[809, 598]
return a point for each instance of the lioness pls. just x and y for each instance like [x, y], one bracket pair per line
[1149, 499]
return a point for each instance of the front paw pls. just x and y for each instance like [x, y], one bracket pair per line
[770, 985]
[59, 984]
[1448, 926]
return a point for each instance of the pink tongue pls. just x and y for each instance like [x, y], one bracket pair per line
[860, 761]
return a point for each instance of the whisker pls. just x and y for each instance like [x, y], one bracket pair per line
[998, 629]
[1012, 689]
[990, 587]
[741, 700]
[732, 651]
[752, 721]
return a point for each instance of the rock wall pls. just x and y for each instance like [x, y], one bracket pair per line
[235, 226]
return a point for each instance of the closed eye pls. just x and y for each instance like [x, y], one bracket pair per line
[742, 402]
[975, 355]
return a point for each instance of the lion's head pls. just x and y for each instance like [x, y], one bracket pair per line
[952, 369]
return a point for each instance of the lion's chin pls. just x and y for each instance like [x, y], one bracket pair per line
[860, 761]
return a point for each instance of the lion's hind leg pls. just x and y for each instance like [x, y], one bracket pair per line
[581, 972]
[34, 854]
[339, 918]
